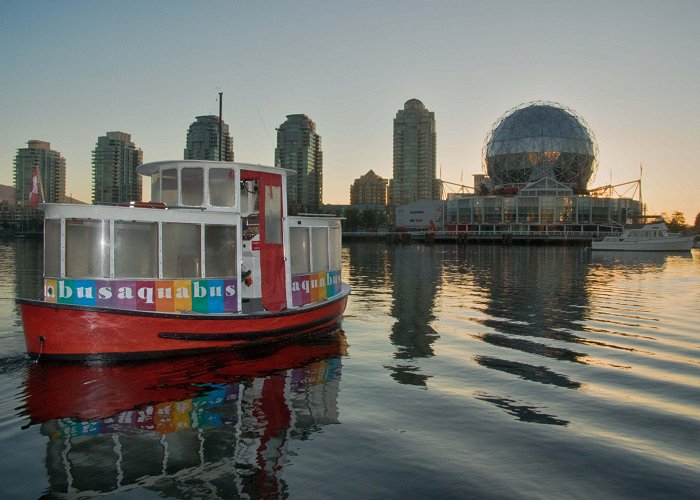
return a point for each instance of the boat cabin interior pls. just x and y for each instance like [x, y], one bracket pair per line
[215, 238]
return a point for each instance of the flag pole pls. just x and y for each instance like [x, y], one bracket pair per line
[41, 186]
[37, 187]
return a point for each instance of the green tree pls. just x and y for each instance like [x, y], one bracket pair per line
[369, 219]
[697, 222]
[677, 223]
[352, 219]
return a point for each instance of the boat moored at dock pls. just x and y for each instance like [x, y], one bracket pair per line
[646, 237]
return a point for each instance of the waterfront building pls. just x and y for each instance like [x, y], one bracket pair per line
[18, 215]
[205, 141]
[368, 189]
[339, 209]
[538, 161]
[482, 184]
[299, 149]
[426, 215]
[540, 140]
[536, 207]
[114, 162]
[415, 160]
[52, 169]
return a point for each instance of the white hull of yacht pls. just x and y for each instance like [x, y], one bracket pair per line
[669, 244]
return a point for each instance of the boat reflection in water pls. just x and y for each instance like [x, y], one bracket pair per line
[216, 425]
[637, 261]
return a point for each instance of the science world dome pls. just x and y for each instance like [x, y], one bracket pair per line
[537, 140]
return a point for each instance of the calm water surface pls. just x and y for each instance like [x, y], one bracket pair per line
[459, 372]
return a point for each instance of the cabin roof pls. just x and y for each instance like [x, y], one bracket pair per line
[648, 225]
[153, 167]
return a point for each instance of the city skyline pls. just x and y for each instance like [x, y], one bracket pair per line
[629, 69]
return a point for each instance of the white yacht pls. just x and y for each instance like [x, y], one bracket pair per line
[645, 237]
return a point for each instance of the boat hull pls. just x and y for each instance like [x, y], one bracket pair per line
[650, 245]
[59, 331]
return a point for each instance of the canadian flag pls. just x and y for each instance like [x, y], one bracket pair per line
[34, 194]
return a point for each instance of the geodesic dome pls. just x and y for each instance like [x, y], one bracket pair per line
[537, 140]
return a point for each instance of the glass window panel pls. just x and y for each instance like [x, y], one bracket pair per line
[155, 187]
[273, 214]
[181, 250]
[299, 250]
[547, 205]
[168, 186]
[222, 187]
[319, 249]
[336, 241]
[192, 182]
[87, 248]
[220, 251]
[135, 249]
[52, 248]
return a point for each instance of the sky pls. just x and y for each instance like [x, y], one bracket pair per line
[72, 70]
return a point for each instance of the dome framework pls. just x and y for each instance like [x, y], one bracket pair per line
[540, 139]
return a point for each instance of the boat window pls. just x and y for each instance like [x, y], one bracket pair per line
[192, 182]
[220, 251]
[155, 186]
[222, 187]
[273, 214]
[319, 249]
[87, 248]
[335, 241]
[52, 247]
[135, 249]
[299, 250]
[168, 187]
[250, 202]
[181, 250]
[251, 226]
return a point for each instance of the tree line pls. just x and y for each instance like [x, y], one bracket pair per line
[676, 223]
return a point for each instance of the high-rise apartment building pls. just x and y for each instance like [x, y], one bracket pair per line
[414, 155]
[369, 189]
[114, 162]
[52, 169]
[203, 140]
[299, 149]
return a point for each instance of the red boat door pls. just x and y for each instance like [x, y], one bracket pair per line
[272, 268]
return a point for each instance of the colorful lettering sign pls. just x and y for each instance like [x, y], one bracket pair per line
[199, 296]
[308, 288]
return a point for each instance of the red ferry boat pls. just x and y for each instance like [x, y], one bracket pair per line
[213, 262]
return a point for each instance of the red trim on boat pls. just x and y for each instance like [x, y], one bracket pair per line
[77, 332]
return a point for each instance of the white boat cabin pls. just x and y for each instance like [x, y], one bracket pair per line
[214, 239]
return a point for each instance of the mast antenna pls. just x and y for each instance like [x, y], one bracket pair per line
[221, 98]
[641, 205]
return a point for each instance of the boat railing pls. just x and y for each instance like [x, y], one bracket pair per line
[149, 204]
[326, 216]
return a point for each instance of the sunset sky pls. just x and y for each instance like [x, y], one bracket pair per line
[72, 70]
